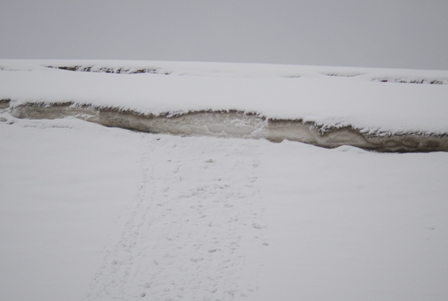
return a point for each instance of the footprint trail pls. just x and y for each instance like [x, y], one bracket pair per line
[194, 231]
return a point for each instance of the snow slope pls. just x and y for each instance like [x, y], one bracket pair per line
[96, 213]
[373, 102]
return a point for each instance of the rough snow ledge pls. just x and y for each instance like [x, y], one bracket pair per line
[236, 124]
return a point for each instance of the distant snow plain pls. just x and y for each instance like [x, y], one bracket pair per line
[97, 213]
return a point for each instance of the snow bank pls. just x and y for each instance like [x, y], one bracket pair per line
[236, 124]
[384, 109]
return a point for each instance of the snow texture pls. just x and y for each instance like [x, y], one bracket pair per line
[384, 110]
[236, 124]
[94, 213]
[372, 100]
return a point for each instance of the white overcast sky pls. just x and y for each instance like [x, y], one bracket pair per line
[365, 33]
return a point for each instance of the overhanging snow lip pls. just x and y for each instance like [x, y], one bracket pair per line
[235, 123]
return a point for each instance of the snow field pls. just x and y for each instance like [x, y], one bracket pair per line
[94, 213]
[59, 197]
[347, 224]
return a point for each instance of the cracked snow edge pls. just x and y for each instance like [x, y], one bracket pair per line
[234, 124]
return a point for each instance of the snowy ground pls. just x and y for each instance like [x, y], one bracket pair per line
[95, 213]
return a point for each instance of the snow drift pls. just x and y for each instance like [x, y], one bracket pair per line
[237, 124]
[378, 109]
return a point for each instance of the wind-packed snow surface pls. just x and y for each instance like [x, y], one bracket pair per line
[96, 213]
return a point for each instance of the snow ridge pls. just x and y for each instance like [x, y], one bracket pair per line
[237, 124]
[380, 109]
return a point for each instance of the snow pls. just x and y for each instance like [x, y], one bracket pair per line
[95, 213]
[329, 96]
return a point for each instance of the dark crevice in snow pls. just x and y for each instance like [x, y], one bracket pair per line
[4, 103]
[404, 80]
[237, 124]
[114, 70]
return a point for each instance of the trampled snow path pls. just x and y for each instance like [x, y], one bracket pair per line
[188, 233]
